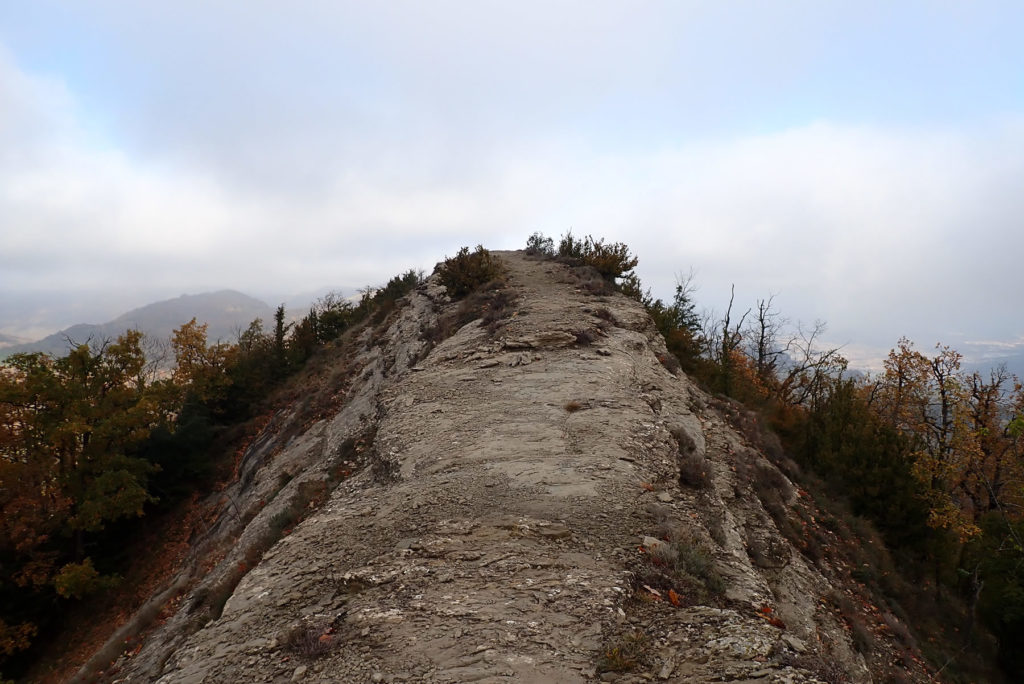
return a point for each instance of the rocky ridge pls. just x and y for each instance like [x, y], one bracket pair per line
[510, 509]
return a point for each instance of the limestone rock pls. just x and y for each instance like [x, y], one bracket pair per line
[488, 533]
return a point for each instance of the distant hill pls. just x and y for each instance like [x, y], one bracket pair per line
[225, 312]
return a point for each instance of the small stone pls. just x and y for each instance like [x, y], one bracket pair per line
[554, 532]
[376, 677]
[651, 543]
[794, 643]
[664, 497]
[299, 673]
[666, 669]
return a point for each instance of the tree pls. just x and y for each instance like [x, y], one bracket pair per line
[280, 330]
[988, 429]
[68, 466]
[200, 369]
[763, 333]
[724, 346]
[954, 420]
[867, 460]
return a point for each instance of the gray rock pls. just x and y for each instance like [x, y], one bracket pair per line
[503, 545]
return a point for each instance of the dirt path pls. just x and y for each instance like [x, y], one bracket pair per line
[496, 538]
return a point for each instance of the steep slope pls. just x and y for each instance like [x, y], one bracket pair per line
[513, 512]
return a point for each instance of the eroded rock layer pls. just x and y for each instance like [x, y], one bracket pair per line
[514, 512]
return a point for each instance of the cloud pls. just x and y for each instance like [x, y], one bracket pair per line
[331, 147]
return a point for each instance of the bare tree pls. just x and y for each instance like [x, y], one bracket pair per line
[731, 339]
[764, 333]
[809, 369]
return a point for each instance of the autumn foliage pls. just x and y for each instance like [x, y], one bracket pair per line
[93, 442]
[930, 453]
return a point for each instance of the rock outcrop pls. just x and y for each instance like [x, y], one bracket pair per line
[504, 506]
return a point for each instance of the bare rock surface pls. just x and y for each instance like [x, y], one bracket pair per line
[500, 522]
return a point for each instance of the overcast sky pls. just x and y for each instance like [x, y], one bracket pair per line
[864, 161]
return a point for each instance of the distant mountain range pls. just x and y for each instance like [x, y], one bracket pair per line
[11, 340]
[1013, 361]
[226, 312]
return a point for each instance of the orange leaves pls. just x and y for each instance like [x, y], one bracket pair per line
[14, 638]
[656, 595]
[767, 613]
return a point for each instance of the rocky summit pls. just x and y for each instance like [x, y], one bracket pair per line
[532, 497]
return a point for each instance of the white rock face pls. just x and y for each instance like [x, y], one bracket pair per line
[492, 529]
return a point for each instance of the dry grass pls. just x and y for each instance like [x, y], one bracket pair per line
[586, 336]
[573, 406]
[625, 654]
[681, 565]
[694, 471]
[310, 639]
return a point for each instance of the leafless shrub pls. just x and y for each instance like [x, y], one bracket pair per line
[663, 554]
[684, 441]
[606, 315]
[660, 513]
[829, 671]
[540, 245]
[900, 629]
[573, 406]
[770, 484]
[586, 336]
[597, 286]
[715, 522]
[670, 363]
[681, 562]
[497, 304]
[694, 471]
[309, 639]
[385, 469]
[863, 639]
[625, 654]
[767, 552]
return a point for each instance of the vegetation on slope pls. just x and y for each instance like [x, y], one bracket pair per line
[930, 454]
[95, 445]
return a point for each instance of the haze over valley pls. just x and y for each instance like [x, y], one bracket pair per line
[470, 340]
[860, 161]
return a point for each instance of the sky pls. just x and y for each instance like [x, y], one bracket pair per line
[861, 161]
